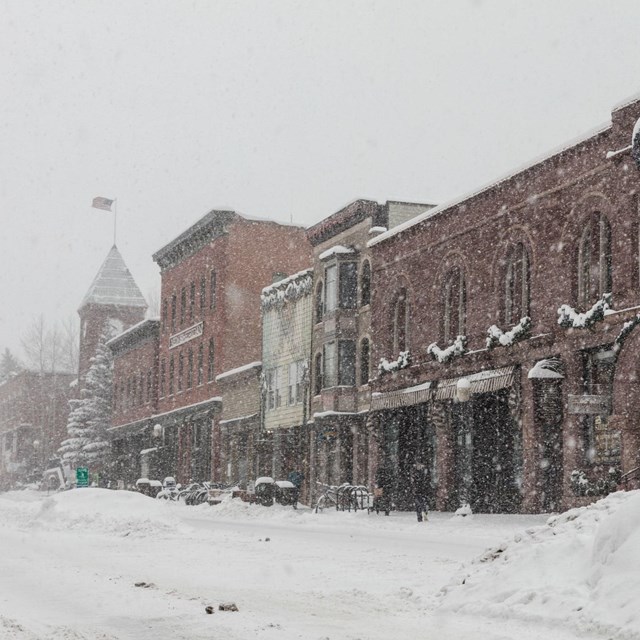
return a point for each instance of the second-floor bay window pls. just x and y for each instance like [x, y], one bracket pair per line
[331, 288]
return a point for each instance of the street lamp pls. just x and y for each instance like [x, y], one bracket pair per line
[157, 431]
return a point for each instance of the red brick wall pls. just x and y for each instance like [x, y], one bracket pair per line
[132, 364]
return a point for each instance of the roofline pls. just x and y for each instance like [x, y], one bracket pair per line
[555, 153]
[345, 218]
[146, 328]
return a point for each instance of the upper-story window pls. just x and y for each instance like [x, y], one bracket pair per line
[331, 288]
[203, 293]
[162, 376]
[192, 301]
[210, 363]
[174, 304]
[165, 306]
[516, 285]
[365, 284]
[348, 285]
[180, 370]
[594, 260]
[212, 290]
[172, 369]
[317, 375]
[200, 363]
[341, 286]
[190, 368]
[319, 301]
[183, 305]
[365, 358]
[455, 311]
[401, 322]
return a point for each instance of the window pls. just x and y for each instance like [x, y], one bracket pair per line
[192, 301]
[516, 294]
[203, 293]
[279, 385]
[171, 374]
[317, 388]
[347, 363]
[149, 383]
[291, 395]
[348, 285]
[210, 362]
[330, 288]
[180, 371]
[271, 390]
[594, 261]
[190, 368]
[165, 305]
[329, 377]
[200, 363]
[296, 375]
[365, 284]
[174, 304]
[319, 302]
[163, 366]
[183, 305]
[400, 322]
[212, 290]
[454, 305]
[364, 361]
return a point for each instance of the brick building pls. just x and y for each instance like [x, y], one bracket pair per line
[480, 381]
[33, 417]
[341, 338]
[212, 276]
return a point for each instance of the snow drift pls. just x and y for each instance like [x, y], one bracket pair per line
[581, 569]
[106, 511]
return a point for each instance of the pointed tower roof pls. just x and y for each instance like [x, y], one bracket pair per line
[114, 284]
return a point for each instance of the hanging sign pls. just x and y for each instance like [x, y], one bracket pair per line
[589, 404]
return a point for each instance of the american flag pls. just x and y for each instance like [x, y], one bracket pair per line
[102, 203]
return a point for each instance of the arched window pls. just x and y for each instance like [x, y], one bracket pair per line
[317, 375]
[516, 285]
[365, 356]
[594, 260]
[401, 322]
[365, 284]
[454, 305]
[319, 301]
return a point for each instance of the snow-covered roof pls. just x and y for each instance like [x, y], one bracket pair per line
[237, 370]
[285, 281]
[337, 250]
[148, 324]
[472, 194]
[287, 290]
[114, 284]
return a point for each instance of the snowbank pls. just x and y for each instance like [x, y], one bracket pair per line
[107, 511]
[581, 569]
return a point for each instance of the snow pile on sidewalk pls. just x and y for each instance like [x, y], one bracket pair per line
[581, 569]
[107, 511]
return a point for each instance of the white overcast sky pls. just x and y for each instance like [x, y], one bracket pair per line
[281, 109]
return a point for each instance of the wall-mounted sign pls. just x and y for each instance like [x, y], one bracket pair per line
[184, 336]
[590, 405]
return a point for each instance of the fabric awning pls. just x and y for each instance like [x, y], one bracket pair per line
[481, 382]
[402, 397]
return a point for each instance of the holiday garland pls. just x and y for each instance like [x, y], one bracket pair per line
[458, 348]
[495, 336]
[621, 338]
[401, 362]
[569, 318]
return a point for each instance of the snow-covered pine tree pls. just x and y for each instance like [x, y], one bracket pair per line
[8, 365]
[90, 414]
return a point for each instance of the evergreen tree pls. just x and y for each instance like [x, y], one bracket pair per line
[90, 414]
[8, 365]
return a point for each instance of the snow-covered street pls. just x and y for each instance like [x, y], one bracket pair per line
[71, 563]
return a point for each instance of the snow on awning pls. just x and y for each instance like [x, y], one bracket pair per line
[402, 397]
[481, 382]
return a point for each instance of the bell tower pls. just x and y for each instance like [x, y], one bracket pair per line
[113, 298]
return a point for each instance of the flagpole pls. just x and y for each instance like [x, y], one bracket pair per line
[115, 218]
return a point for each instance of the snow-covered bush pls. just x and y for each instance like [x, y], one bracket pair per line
[582, 486]
[495, 336]
[458, 348]
[401, 362]
[569, 318]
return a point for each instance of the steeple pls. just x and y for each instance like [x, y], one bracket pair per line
[114, 285]
[113, 300]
